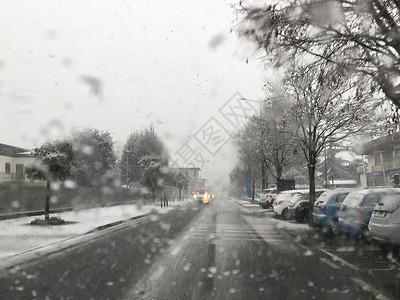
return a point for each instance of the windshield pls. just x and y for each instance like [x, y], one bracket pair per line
[200, 191]
[154, 149]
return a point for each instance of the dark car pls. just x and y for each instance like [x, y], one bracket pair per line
[299, 207]
[326, 208]
[356, 210]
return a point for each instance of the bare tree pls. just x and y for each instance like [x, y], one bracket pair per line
[360, 36]
[265, 142]
[328, 107]
[252, 142]
[280, 145]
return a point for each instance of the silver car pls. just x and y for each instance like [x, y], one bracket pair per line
[384, 226]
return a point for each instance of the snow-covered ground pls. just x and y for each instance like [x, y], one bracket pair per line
[17, 235]
[291, 225]
[246, 203]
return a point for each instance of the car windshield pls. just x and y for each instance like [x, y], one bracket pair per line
[154, 149]
[200, 191]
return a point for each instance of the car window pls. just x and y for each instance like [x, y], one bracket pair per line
[353, 199]
[340, 198]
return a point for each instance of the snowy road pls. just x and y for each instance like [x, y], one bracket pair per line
[218, 251]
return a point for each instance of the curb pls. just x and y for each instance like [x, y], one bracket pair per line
[17, 256]
[244, 204]
[33, 213]
[102, 227]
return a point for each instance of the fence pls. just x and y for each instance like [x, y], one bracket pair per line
[21, 198]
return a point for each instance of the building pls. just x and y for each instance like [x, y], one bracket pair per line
[13, 161]
[192, 174]
[383, 158]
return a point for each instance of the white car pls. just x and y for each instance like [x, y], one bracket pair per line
[384, 226]
[282, 202]
[267, 197]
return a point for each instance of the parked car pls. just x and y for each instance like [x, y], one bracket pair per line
[326, 208]
[299, 206]
[356, 209]
[384, 226]
[268, 197]
[282, 201]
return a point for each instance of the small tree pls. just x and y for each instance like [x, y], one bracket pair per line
[94, 156]
[53, 162]
[182, 182]
[151, 167]
[252, 142]
[139, 144]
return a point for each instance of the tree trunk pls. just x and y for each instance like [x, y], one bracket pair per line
[180, 194]
[253, 187]
[47, 204]
[311, 178]
[263, 173]
[278, 179]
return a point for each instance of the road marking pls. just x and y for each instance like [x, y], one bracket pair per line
[157, 273]
[335, 257]
[175, 251]
[238, 239]
[304, 247]
[369, 288]
[329, 263]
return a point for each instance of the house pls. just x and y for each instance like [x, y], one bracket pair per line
[383, 158]
[13, 161]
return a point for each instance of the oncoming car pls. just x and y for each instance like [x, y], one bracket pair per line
[202, 195]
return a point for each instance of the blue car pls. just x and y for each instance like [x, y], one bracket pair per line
[326, 208]
[356, 210]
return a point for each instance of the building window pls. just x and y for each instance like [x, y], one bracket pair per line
[387, 156]
[8, 168]
[377, 159]
[397, 153]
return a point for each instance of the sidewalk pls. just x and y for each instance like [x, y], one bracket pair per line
[18, 236]
[246, 203]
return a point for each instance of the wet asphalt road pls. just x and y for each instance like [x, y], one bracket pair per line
[216, 251]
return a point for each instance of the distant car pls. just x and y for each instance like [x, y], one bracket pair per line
[201, 195]
[384, 226]
[326, 208]
[267, 198]
[282, 201]
[299, 206]
[356, 209]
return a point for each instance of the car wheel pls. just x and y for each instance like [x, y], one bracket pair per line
[299, 219]
[335, 227]
[305, 218]
[386, 248]
[284, 213]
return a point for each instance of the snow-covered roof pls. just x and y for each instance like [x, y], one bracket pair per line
[12, 151]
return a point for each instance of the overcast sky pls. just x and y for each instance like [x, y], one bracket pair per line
[121, 66]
